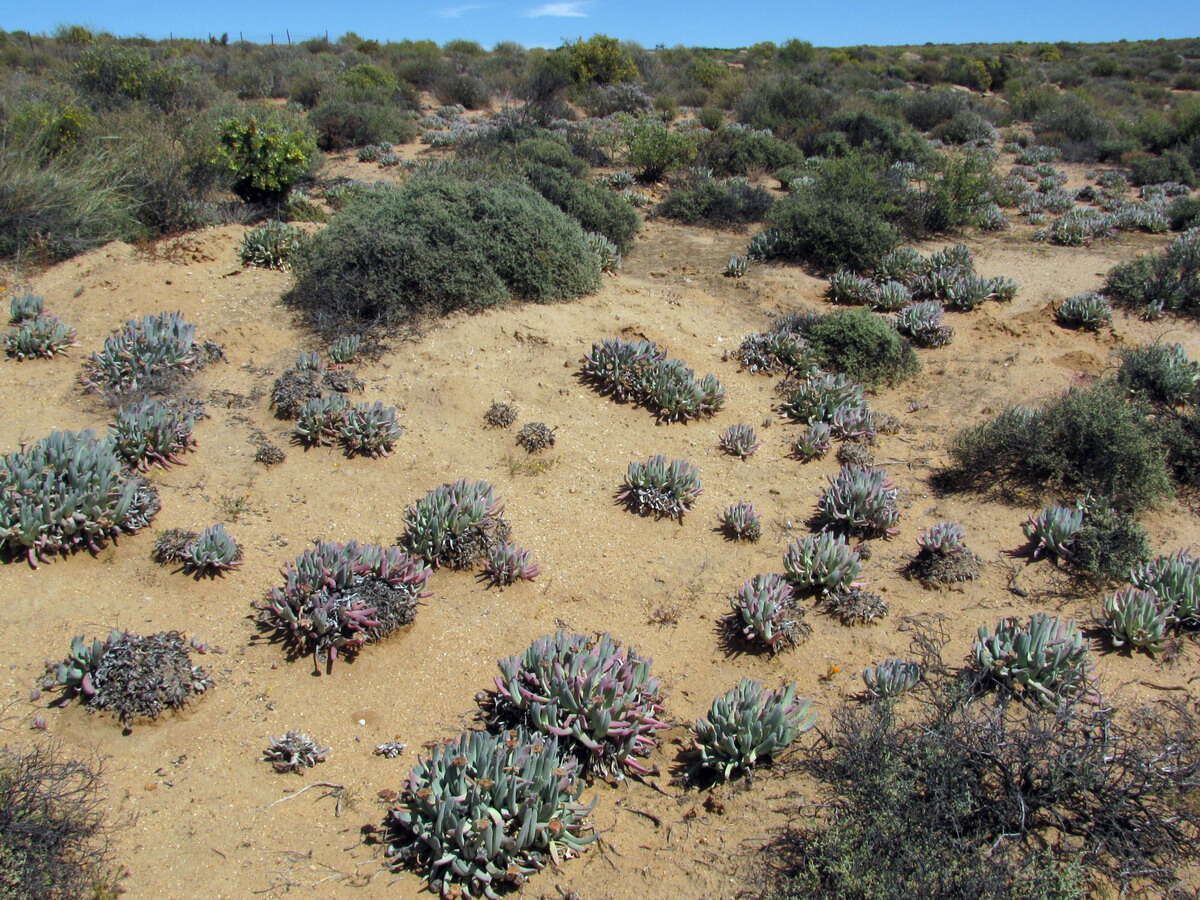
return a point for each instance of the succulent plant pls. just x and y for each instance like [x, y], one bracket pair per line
[293, 389]
[41, 337]
[23, 307]
[455, 524]
[860, 500]
[847, 288]
[344, 350]
[765, 245]
[500, 415]
[741, 522]
[750, 726]
[606, 251]
[293, 752]
[1138, 619]
[619, 368]
[506, 564]
[534, 437]
[369, 153]
[943, 557]
[369, 429]
[765, 613]
[320, 421]
[851, 422]
[594, 691]
[309, 361]
[736, 267]
[153, 432]
[1053, 531]
[132, 675]
[739, 440]
[1175, 579]
[337, 597]
[389, 160]
[814, 442]
[1161, 371]
[145, 352]
[1088, 310]
[1045, 659]
[991, 217]
[823, 561]
[211, 552]
[903, 264]
[922, 324]
[482, 813]
[943, 539]
[957, 256]
[170, 545]
[967, 291]
[271, 245]
[661, 487]
[892, 677]
[775, 351]
[671, 389]
[891, 296]
[66, 491]
[854, 606]
[815, 398]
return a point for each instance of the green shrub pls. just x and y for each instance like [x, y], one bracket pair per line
[595, 208]
[1110, 543]
[599, 60]
[1091, 440]
[716, 202]
[343, 123]
[1162, 373]
[545, 151]
[1170, 166]
[1183, 213]
[1170, 282]
[737, 150]
[786, 105]
[654, 149]
[265, 154]
[829, 233]
[440, 244]
[863, 345]
[928, 109]
[966, 127]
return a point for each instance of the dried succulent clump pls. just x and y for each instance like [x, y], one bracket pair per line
[854, 606]
[535, 437]
[293, 752]
[500, 415]
[943, 556]
[269, 455]
[170, 545]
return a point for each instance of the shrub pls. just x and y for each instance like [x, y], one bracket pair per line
[337, 597]
[135, 676]
[41, 337]
[524, 786]
[741, 522]
[53, 833]
[1088, 310]
[595, 690]
[342, 122]
[294, 752]
[592, 206]
[271, 246]
[861, 345]
[437, 245]
[654, 149]
[1089, 440]
[455, 524]
[625, 97]
[660, 487]
[744, 151]
[1183, 213]
[265, 156]
[147, 354]
[739, 441]
[749, 726]
[1168, 282]
[765, 614]
[730, 202]
[824, 562]
[927, 109]
[69, 491]
[965, 127]
[507, 564]
[1044, 660]
[859, 500]
[1170, 166]
[153, 432]
[1111, 542]
[830, 232]
[212, 552]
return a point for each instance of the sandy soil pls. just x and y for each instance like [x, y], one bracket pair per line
[198, 801]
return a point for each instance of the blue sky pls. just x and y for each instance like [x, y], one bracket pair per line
[687, 22]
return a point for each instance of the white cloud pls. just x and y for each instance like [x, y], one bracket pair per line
[569, 10]
[457, 12]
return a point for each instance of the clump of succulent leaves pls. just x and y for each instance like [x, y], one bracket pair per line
[765, 614]
[134, 676]
[749, 726]
[1089, 311]
[943, 556]
[268, 454]
[212, 552]
[1043, 661]
[1137, 619]
[500, 415]
[736, 267]
[891, 678]
[455, 524]
[344, 350]
[507, 564]
[271, 245]
[660, 487]
[148, 354]
[26, 306]
[482, 813]
[69, 491]
[1175, 580]
[767, 353]
[595, 692]
[294, 752]
[534, 437]
[41, 337]
[739, 440]
[154, 432]
[859, 500]
[823, 563]
[1052, 531]
[607, 253]
[337, 597]
[922, 324]
[813, 442]
[639, 371]
[820, 397]
[170, 545]
[366, 429]
[741, 522]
